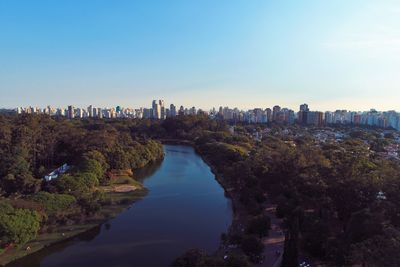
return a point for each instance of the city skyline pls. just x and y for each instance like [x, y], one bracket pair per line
[282, 115]
[298, 107]
[332, 54]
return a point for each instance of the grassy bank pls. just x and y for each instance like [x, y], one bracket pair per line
[119, 202]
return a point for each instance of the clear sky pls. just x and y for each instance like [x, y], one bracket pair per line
[329, 54]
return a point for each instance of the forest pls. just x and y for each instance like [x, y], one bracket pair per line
[339, 201]
[33, 146]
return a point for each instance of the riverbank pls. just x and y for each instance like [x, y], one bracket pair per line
[120, 201]
[273, 242]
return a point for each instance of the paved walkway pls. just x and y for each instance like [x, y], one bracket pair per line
[274, 241]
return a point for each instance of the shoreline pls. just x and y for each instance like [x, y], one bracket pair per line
[236, 218]
[66, 233]
[38, 244]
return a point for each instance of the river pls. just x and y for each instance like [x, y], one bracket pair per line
[185, 208]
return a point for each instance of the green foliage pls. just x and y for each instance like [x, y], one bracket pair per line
[252, 246]
[363, 225]
[54, 203]
[92, 166]
[70, 184]
[32, 144]
[192, 258]
[380, 250]
[18, 225]
[77, 183]
[88, 179]
[198, 258]
[259, 225]
[237, 261]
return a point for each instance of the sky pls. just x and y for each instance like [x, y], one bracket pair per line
[342, 54]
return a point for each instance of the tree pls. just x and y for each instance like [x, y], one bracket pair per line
[54, 203]
[237, 261]
[291, 253]
[380, 250]
[92, 166]
[192, 258]
[18, 225]
[252, 246]
[259, 225]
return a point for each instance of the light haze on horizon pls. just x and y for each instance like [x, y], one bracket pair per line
[342, 54]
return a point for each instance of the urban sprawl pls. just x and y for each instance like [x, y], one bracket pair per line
[158, 110]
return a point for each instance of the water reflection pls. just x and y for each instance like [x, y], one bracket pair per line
[185, 208]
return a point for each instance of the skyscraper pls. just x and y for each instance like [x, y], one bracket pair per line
[269, 114]
[172, 109]
[303, 114]
[181, 111]
[71, 112]
[90, 111]
[275, 111]
[156, 110]
[162, 109]
[304, 107]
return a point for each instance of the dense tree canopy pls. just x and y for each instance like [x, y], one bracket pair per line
[18, 225]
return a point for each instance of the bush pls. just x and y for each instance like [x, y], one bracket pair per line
[54, 203]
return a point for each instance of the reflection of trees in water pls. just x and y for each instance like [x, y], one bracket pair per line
[89, 235]
[35, 259]
[147, 171]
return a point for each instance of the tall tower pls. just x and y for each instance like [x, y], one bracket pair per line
[172, 109]
[162, 109]
[303, 114]
[156, 110]
[90, 111]
[71, 112]
[304, 107]
[275, 111]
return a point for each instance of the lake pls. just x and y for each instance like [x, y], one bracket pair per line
[185, 208]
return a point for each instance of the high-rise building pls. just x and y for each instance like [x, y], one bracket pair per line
[303, 114]
[275, 111]
[304, 107]
[181, 111]
[172, 109]
[162, 109]
[71, 112]
[90, 111]
[99, 113]
[315, 118]
[156, 110]
[118, 109]
[147, 113]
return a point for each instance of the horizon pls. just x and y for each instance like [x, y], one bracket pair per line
[167, 105]
[341, 55]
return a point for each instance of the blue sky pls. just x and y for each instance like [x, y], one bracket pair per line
[330, 54]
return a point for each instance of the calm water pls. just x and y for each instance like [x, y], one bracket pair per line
[185, 208]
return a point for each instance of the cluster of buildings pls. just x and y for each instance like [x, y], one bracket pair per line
[388, 119]
[159, 110]
[276, 114]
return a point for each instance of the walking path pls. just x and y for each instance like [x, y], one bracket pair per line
[274, 241]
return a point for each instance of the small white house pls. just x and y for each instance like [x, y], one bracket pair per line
[54, 174]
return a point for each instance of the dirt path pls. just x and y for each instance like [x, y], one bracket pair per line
[274, 241]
